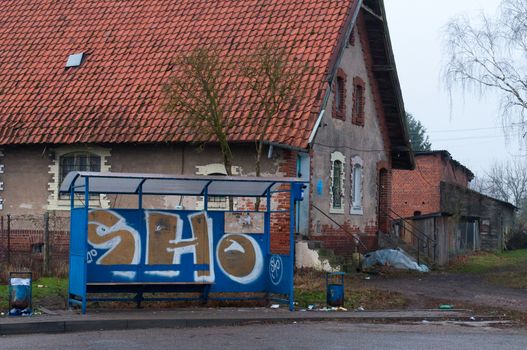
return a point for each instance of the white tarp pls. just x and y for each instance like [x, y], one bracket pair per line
[396, 258]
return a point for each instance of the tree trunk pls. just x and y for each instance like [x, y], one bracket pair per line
[259, 149]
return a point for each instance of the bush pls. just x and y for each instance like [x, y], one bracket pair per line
[518, 240]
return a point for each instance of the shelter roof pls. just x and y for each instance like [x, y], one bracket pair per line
[163, 184]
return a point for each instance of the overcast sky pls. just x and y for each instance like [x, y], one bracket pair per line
[472, 131]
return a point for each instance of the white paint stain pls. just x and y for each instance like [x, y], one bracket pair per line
[124, 274]
[26, 206]
[162, 273]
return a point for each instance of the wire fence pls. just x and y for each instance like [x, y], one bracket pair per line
[34, 243]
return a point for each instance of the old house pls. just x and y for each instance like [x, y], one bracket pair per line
[81, 89]
[434, 204]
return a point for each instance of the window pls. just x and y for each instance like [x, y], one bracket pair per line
[358, 101]
[339, 103]
[337, 183]
[356, 186]
[215, 202]
[218, 202]
[71, 158]
[78, 161]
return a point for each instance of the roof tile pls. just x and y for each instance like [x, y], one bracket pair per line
[115, 95]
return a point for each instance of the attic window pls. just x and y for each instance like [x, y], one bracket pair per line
[75, 60]
[339, 103]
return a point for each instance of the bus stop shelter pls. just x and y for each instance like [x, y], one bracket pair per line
[139, 250]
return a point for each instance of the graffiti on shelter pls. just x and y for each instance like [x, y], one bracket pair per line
[166, 239]
[166, 244]
[109, 231]
[239, 257]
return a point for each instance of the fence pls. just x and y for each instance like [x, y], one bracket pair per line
[34, 243]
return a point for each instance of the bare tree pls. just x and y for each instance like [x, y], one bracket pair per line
[507, 181]
[489, 55]
[274, 75]
[198, 91]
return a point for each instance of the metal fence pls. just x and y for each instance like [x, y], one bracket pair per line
[34, 243]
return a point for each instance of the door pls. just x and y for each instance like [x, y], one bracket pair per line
[302, 208]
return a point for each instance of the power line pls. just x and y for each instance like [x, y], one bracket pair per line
[472, 129]
[470, 138]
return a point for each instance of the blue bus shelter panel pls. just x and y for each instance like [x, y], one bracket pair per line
[77, 280]
[163, 246]
[279, 274]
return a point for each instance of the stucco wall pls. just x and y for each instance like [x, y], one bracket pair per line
[352, 141]
[25, 179]
[27, 175]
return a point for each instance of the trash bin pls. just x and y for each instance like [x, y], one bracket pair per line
[335, 288]
[20, 301]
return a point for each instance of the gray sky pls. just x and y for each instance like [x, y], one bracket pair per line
[472, 131]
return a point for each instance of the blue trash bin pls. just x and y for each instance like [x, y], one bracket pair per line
[20, 300]
[335, 288]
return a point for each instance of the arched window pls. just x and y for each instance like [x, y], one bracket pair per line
[339, 102]
[356, 185]
[358, 101]
[337, 183]
[216, 202]
[78, 161]
[75, 158]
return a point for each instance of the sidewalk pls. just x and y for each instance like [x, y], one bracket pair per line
[94, 320]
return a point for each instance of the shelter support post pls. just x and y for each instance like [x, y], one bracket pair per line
[291, 247]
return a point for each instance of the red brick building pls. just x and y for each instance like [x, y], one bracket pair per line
[434, 210]
[417, 192]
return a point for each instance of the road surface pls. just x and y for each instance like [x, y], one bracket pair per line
[328, 335]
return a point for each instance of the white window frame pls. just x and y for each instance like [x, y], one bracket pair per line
[337, 156]
[357, 186]
[54, 200]
[209, 169]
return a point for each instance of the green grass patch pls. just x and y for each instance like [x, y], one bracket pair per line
[52, 292]
[488, 262]
[515, 279]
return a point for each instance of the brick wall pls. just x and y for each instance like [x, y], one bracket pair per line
[418, 190]
[341, 241]
[280, 222]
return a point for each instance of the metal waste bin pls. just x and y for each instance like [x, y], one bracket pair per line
[335, 288]
[20, 300]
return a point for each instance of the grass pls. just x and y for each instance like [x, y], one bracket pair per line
[488, 262]
[507, 269]
[51, 293]
[310, 289]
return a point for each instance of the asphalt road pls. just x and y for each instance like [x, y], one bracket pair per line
[329, 335]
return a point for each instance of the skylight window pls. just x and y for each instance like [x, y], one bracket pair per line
[75, 60]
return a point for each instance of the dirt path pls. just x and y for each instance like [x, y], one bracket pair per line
[452, 288]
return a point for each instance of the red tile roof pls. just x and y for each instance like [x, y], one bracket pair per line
[115, 95]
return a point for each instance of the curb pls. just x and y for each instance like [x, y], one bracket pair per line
[125, 324]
